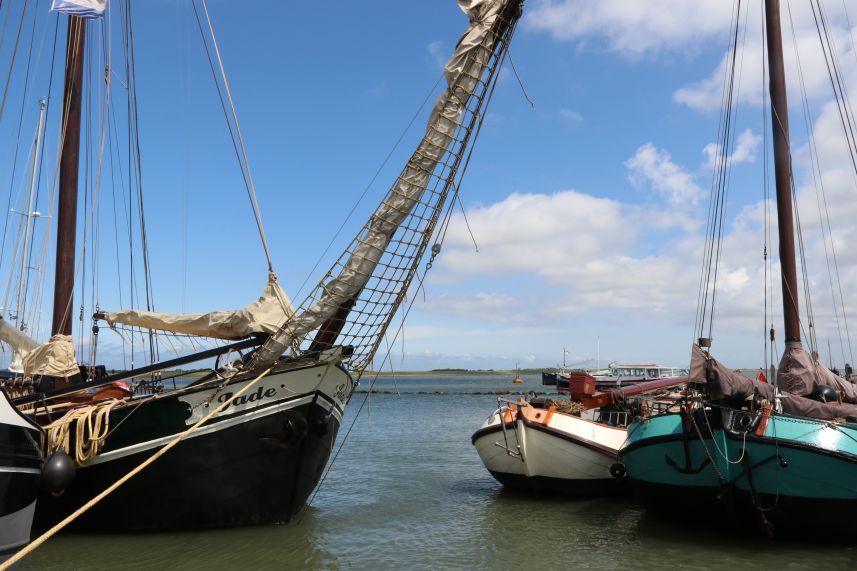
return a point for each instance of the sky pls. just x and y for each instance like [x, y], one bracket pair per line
[587, 207]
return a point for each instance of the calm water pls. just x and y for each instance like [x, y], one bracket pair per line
[408, 491]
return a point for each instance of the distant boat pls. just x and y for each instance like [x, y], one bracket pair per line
[563, 446]
[623, 375]
[550, 378]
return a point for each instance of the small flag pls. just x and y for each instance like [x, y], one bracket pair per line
[81, 8]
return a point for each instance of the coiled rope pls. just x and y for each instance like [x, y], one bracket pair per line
[90, 424]
[52, 531]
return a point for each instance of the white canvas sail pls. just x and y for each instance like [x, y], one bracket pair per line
[265, 315]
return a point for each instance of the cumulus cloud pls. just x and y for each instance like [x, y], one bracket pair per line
[745, 150]
[650, 29]
[655, 167]
[633, 28]
[804, 59]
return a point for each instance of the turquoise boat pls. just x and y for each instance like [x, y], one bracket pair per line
[780, 459]
[743, 469]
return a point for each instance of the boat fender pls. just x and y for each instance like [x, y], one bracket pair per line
[618, 471]
[58, 472]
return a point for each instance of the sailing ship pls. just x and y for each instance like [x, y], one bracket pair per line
[782, 458]
[259, 458]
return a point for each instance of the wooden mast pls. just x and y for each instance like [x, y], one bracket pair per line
[783, 171]
[69, 161]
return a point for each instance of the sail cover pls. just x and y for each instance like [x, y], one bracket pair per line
[723, 383]
[265, 315]
[801, 374]
[463, 74]
[55, 358]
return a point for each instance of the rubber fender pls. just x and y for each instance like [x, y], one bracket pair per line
[58, 472]
[618, 470]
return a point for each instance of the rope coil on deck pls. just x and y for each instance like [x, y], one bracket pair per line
[90, 424]
[568, 406]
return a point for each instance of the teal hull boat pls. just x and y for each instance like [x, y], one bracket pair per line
[783, 475]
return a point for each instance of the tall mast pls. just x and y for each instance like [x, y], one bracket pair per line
[69, 159]
[29, 215]
[783, 171]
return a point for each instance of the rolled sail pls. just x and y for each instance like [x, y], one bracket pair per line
[19, 341]
[265, 315]
[54, 359]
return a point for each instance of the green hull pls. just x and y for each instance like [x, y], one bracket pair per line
[793, 476]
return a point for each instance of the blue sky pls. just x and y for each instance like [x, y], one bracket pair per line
[588, 208]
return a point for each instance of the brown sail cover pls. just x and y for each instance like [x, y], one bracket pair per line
[799, 376]
[722, 383]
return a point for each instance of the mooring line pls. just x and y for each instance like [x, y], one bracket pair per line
[52, 531]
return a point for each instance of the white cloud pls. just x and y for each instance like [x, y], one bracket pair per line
[744, 151]
[655, 167]
[804, 61]
[633, 28]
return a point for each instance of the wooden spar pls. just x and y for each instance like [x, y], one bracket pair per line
[782, 170]
[69, 160]
[330, 329]
[618, 395]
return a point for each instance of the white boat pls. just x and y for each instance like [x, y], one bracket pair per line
[565, 446]
[532, 445]
[623, 375]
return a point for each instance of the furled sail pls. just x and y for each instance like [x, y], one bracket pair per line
[340, 289]
[801, 374]
[54, 358]
[798, 378]
[265, 315]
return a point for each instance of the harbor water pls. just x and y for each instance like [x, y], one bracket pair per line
[408, 491]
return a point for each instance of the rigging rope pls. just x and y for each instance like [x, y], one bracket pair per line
[243, 162]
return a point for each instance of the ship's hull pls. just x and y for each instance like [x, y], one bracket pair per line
[256, 462]
[793, 477]
[20, 467]
[547, 451]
